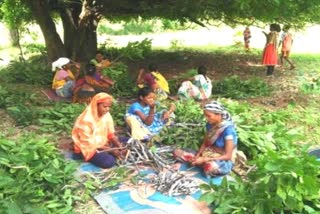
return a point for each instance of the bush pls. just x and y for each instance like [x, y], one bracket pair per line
[234, 87]
[34, 71]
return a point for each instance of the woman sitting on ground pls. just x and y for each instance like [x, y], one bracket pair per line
[101, 63]
[199, 88]
[64, 80]
[88, 86]
[142, 117]
[154, 80]
[219, 144]
[94, 135]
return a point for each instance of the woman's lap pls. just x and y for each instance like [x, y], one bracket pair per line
[103, 160]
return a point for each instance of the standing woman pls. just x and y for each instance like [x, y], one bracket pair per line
[270, 56]
[94, 135]
[219, 145]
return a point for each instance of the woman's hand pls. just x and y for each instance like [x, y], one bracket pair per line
[166, 115]
[199, 161]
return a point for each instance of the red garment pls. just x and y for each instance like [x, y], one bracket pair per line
[149, 80]
[270, 56]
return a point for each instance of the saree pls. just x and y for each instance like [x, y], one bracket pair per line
[90, 131]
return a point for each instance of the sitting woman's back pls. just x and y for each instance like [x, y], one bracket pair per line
[200, 88]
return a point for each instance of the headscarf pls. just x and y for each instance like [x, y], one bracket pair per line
[59, 63]
[91, 131]
[218, 108]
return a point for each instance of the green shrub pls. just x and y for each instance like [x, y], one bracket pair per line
[133, 50]
[34, 71]
[234, 87]
[124, 85]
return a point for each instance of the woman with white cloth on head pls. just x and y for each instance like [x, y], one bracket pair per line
[64, 80]
[219, 145]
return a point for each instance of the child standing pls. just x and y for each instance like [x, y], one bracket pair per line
[285, 42]
[246, 38]
[270, 56]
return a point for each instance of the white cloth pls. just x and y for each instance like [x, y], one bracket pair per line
[59, 63]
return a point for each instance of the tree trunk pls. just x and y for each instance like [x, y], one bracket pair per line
[14, 36]
[80, 39]
[55, 47]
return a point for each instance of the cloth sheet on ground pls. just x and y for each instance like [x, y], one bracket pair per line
[52, 96]
[143, 198]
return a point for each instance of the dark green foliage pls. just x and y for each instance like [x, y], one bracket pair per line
[133, 50]
[124, 85]
[234, 87]
[284, 182]
[3, 95]
[190, 132]
[20, 106]
[118, 111]
[140, 26]
[261, 130]
[34, 71]
[34, 177]
[60, 118]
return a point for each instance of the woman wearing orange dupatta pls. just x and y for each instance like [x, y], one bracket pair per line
[93, 133]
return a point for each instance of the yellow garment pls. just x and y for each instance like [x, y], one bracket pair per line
[90, 131]
[138, 131]
[161, 81]
[56, 84]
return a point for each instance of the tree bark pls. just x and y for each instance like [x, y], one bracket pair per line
[80, 36]
[55, 47]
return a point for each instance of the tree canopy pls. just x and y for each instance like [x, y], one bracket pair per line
[80, 18]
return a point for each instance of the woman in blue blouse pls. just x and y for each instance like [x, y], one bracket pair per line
[142, 116]
[219, 144]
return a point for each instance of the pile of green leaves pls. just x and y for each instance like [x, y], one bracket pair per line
[284, 182]
[34, 177]
[234, 87]
[118, 111]
[190, 132]
[60, 118]
[34, 71]
[124, 85]
[260, 130]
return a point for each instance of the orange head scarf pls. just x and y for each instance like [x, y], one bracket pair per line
[91, 131]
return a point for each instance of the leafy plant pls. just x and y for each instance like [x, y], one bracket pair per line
[188, 130]
[133, 51]
[310, 83]
[284, 182]
[60, 118]
[33, 71]
[234, 87]
[124, 86]
[35, 178]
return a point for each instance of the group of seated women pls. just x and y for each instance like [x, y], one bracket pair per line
[94, 133]
[80, 86]
[95, 138]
